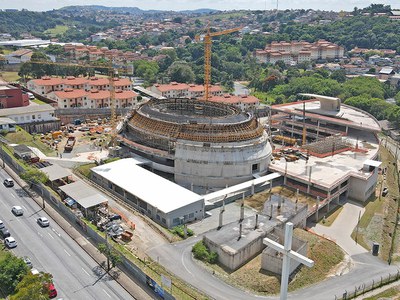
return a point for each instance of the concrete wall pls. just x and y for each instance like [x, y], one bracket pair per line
[220, 165]
[233, 259]
[361, 189]
[271, 260]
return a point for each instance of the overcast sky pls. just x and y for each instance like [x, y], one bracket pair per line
[337, 5]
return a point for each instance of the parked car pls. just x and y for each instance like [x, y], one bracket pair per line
[2, 224]
[28, 262]
[8, 182]
[10, 242]
[42, 221]
[114, 217]
[52, 290]
[385, 191]
[4, 233]
[17, 210]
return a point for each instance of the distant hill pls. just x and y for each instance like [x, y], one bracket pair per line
[131, 10]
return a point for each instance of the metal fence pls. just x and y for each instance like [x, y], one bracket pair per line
[369, 286]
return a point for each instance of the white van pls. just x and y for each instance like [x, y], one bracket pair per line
[31, 96]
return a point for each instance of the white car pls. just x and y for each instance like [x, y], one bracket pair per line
[17, 210]
[10, 242]
[42, 221]
[2, 224]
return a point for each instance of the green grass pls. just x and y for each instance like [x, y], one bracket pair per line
[6, 51]
[37, 101]
[332, 217]
[20, 136]
[85, 169]
[59, 29]
[9, 76]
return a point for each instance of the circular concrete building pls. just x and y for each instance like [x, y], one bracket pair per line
[203, 144]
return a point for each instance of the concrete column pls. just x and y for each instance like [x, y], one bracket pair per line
[329, 200]
[191, 186]
[243, 196]
[256, 225]
[297, 197]
[309, 180]
[241, 212]
[252, 188]
[317, 211]
[270, 213]
[220, 218]
[347, 129]
[317, 130]
[240, 231]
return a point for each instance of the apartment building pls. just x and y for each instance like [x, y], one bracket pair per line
[298, 51]
[183, 90]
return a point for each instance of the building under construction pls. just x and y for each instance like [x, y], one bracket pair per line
[205, 145]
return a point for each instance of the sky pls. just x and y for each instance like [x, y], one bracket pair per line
[336, 5]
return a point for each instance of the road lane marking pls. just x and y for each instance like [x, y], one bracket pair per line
[56, 232]
[24, 207]
[183, 263]
[106, 293]
[50, 235]
[85, 271]
[67, 252]
[13, 195]
[41, 235]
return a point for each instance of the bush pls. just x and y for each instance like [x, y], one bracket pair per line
[201, 252]
[179, 230]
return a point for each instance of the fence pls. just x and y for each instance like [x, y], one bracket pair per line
[365, 288]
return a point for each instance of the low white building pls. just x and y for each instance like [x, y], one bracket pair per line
[29, 114]
[7, 125]
[160, 199]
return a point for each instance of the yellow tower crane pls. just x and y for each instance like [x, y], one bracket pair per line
[112, 73]
[207, 38]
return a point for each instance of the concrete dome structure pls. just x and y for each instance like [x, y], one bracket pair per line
[203, 144]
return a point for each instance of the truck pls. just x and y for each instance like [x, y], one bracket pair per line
[70, 144]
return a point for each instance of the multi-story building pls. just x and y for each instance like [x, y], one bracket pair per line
[84, 92]
[183, 90]
[11, 96]
[298, 52]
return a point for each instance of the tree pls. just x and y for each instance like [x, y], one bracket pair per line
[338, 75]
[34, 175]
[33, 287]
[112, 255]
[12, 270]
[181, 71]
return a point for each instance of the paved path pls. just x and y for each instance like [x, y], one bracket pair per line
[341, 229]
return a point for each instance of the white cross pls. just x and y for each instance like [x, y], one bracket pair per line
[288, 254]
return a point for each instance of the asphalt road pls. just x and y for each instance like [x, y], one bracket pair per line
[178, 259]
[75, 274]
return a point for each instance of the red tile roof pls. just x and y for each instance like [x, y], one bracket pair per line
[46, 81]
[230, 99]
[71, 94]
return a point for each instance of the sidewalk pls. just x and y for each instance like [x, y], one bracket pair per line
[340, 231]
[136, 289]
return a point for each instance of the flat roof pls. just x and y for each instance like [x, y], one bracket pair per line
[347, 116]
[25, 43]
[26, 109]
[149, 187]
[373, 163]
[4, 121]
[82, 193]
[219, 195]
[328, 171]
[55, 172]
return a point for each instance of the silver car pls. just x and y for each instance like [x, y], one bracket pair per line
[42, 221]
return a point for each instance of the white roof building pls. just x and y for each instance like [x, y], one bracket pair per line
[162, 200]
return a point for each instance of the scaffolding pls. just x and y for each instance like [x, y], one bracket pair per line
[332, 144]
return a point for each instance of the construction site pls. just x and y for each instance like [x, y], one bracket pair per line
[204, 145]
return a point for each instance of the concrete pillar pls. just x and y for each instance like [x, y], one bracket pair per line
[256, 225]
[241, 212]
[191, 186]
[329, 200]
[317, 130]
[240, 231]
[279, 202]
[317, 211]
[243, 196]
[220, 218]
[309, 180]
[252, 188]
[297, 198]
[347, 129]
[270, 213]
